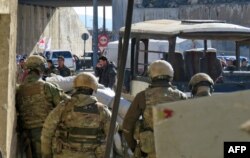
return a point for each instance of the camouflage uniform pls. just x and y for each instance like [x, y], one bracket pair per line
[51, 70]
[78, 126]
[201, 84]
[19, 74]
[35, 99]
[160, 91]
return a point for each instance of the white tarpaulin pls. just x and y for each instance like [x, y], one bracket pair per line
[104, 95]
[199, 127]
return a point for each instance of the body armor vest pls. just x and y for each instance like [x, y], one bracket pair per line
[157, 95]
[33, 104]
[81, 125]
[153, 96]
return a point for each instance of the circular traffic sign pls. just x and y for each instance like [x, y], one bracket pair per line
[103, 40]
[85, 36]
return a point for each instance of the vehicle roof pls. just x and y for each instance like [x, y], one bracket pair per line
[202, 49]
[191, 29]
[59, 51]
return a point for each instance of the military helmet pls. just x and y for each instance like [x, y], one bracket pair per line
[200, 77]
[86, 80]
[160, 68]
[35, 62]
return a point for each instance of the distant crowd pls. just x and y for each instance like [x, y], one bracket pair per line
[105, 70]
[230, 64]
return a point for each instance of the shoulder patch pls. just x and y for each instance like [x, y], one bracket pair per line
[90, 108]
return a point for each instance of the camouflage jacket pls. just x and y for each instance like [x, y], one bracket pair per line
[83, 119]
[155, 94]
[35, 99]
[53, 70]
[19, 74]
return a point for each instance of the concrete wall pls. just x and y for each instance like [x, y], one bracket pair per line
[8, 24]
[142, 14]
[178, 3]
[232, 13]
[62, 25]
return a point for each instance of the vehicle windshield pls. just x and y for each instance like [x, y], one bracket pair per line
[88, 54]
[65, 54]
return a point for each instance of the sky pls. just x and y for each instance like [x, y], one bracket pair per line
[89, 11]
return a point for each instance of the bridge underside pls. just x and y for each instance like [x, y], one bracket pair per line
[65, 3]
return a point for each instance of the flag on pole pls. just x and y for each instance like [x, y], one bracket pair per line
[41, 43]
[48, 44]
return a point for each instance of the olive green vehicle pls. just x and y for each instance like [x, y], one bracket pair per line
[203, 58]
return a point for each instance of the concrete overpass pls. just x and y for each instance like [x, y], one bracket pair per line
[64, 3]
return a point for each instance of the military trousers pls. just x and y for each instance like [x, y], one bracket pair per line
[35, 139]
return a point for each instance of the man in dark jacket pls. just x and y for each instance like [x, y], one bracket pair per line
[106, 72]
[50, 69]
[63, 70]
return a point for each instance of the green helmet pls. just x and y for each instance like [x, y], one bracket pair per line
[35, 62]
[86, 80]
[200, 77]
[160, 68]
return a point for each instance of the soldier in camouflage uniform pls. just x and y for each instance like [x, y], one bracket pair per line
[201, 84]
[35, 99]
[160, 91]
[80, 125]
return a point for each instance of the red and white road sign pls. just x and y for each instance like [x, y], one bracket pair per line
[103, 40]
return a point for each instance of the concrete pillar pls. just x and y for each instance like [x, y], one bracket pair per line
[119, 9]
[8, 18]
[62, 25]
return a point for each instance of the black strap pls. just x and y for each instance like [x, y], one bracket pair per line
[202, 83]
[83, 90]
[90, 108]
[85, 141]
[160, 83]
[82, 131]
[74, 139]
[72, 135]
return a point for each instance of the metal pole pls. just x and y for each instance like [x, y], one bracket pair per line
[121, 70]
[205, 46]
[104, 18]
[171, 49]
[95, 32]
[237, 47]
[84, 55]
